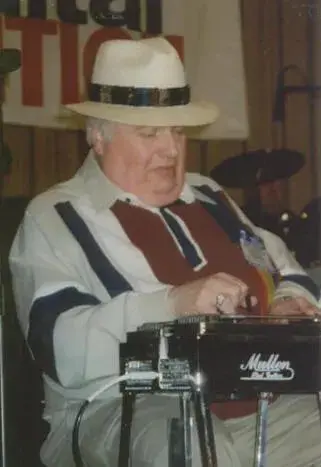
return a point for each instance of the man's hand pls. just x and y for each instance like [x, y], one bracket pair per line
[293, 306]
[218, 293]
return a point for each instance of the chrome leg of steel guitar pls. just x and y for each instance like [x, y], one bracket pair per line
[180, 436]
[185, 408]
[128, 407]
[260, 455]
[205, 430]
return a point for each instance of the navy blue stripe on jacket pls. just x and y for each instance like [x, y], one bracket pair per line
[304, 281]
[224, 215]
[43, 316]
[188, 249]
[112, 280]
[232, 225]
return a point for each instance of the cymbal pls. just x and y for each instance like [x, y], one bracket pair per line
[257, 167]
[10, 60]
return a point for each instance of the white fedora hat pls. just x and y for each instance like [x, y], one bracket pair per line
[142, 82]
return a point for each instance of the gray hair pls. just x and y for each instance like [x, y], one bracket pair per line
[104, 127]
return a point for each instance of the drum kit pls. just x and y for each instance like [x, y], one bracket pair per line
[261, 175]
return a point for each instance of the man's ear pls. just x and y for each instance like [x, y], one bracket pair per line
[98, 142]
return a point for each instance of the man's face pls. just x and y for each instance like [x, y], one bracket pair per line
[147, 161]
[271, 196]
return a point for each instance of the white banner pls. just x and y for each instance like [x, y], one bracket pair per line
[58, 44]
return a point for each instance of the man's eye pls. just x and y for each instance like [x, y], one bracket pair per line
[179, 130]
[154, 132]
[148, 134]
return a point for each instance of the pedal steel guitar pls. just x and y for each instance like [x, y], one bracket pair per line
[219, 359]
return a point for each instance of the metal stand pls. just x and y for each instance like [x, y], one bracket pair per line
[260, 458]
[180, 439]
[180, 449]
[128, 406]
[205, 430]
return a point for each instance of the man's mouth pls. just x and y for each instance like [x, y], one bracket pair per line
[166, 171]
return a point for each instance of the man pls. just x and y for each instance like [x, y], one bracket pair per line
[131, 239]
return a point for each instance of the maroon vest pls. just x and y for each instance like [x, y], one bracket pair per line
[148, 233]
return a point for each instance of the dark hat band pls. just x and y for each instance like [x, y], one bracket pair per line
[138, 97]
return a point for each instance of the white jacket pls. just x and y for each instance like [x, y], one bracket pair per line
[82, 323]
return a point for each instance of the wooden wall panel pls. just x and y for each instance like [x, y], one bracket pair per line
[193, 161]
[68, 154]
[20, 141]
[297, 125]
[262, 56]
[44, 159]
[254, 69]
[272, 54]
[274, 35]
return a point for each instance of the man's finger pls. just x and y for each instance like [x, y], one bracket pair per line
[238, 288]
[293, 306]
[285, 307]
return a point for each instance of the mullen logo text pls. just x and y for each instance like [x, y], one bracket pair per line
[270, 367]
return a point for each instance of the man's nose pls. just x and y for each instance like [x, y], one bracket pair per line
[169, 142]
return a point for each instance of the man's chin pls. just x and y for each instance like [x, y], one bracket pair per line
[164, 190]
[168, 187]
[167, 195]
